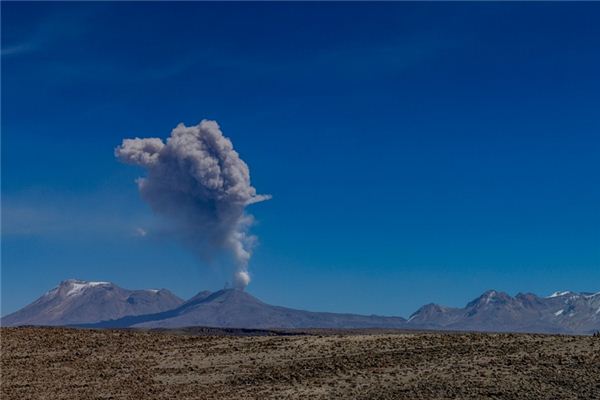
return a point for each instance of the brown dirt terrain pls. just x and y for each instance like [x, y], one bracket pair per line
[58, 363]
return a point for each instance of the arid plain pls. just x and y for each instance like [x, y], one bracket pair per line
[59, 363]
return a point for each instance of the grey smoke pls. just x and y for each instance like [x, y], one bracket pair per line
[202, 186]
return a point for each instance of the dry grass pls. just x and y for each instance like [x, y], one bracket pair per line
[56, 363]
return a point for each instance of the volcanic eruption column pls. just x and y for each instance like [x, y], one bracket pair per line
[199, 183]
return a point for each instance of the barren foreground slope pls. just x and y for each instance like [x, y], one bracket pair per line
[57, 363]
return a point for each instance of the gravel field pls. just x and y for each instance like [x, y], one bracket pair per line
[59, 363]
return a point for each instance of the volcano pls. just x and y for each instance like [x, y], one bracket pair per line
[106, 305]
[234, 308]
[78, 302]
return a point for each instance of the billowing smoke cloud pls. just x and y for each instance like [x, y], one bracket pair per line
[199, 183]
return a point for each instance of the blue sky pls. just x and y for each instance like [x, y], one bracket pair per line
[416, 153]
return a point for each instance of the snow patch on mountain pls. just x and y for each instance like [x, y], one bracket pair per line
[558, 294]
[79, 287]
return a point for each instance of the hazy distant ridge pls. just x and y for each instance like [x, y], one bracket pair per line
[562, 312]
[104, 304]
[75, 302]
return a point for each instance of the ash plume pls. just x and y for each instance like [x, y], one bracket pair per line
[198, 182]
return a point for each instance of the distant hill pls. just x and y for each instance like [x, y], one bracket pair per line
[104, 304]
[233, 308]
[79, 302]
[562, 312]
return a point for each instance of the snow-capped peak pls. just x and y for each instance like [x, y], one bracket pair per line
[559, 294]
[490, 295]
[77, 287]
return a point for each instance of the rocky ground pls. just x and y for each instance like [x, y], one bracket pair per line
[57, 363]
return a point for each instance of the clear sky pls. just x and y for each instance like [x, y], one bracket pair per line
[416, 153]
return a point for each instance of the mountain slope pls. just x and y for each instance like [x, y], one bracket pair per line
[233, 308]
[562, 312]
[103, 304]
[77, 302]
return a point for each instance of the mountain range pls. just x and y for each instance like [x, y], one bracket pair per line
[106, 305]
[78, 302]
[561, 312]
